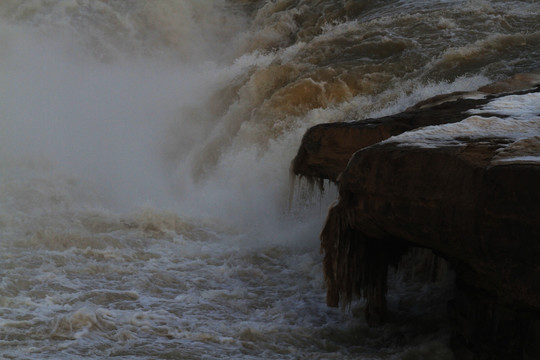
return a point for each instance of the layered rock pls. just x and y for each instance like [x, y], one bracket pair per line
[465, 183]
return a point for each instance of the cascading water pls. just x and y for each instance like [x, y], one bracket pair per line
[144, 163]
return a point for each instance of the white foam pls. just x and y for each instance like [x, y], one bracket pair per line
[524, 106]
[518, 119]
[521, 159]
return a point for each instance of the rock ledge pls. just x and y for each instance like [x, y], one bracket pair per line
[458, 174]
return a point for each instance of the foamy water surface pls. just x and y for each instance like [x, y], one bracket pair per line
[144, 168]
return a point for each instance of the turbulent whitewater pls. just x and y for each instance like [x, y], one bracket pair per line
[145, 201]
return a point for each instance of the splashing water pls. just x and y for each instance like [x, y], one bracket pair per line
[144, 158]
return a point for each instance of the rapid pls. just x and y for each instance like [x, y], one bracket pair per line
[146, 206]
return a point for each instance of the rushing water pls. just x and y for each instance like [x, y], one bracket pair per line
[144, 158]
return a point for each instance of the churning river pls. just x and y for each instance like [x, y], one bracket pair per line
[144, 167]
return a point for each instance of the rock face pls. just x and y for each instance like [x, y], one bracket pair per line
[466, 184]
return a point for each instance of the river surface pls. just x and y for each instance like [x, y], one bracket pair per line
[146, 209]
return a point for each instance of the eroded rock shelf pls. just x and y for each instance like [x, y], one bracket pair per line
[458, 174]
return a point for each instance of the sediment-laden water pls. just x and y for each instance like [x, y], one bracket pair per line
[144, 168]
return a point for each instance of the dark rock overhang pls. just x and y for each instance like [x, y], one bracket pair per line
[474, 200]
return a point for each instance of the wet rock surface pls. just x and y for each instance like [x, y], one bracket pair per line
[472, 196]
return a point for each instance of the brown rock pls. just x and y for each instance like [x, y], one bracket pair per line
[474, 201]
[326, 148]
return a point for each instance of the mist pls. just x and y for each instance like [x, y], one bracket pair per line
[138, 126]
[97, 121]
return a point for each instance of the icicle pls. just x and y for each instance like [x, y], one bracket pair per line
[355, 264]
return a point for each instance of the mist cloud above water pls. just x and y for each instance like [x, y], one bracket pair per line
[132, 120]
[102, 122]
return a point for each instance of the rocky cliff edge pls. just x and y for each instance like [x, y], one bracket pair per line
[458, 174]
